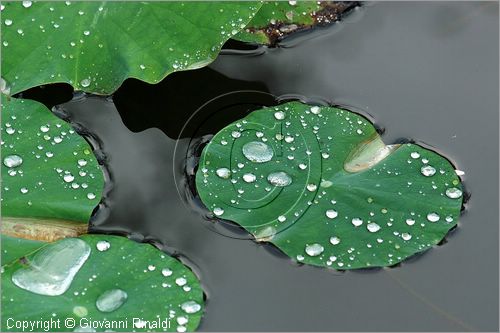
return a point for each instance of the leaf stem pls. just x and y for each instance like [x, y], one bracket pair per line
[46, 230]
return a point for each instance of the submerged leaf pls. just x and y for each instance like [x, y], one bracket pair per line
[329, 192]
[102, 279]
[278, 19]
[51, 179]
[95, 45]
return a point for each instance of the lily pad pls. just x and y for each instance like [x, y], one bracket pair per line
[98, 283]
[95, 46]
[278, 19]
[319, 183]
[51, 179]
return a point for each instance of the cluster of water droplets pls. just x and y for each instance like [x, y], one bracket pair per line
[30, 151]
[52, 270]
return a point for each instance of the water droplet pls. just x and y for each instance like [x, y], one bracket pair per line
[249, 177]
[331, 214]
[311, 187]
[24, 190]
[12, 161]
[314, 109]
[85, 83]
[218, 211]
[433, 217]
[334, 240]
[357, 221]
[151, 268]
[281, 218]
[166, 272]
[415, 155]
[428, 170]
[293, 3]
[236, 134]
[90, 196]
[103, 245]
[223, 173]
[257, 152]
[8, 22]
[82, 162]
[279, 179]
[453, 193]
[302, 166]
[289, 139]
[180, 281]
[280, 115]
[111, 300]
[86, 32]
[27, 4]
[410, 221]
[448, 219]
[190, 307]
[44, 128]
[459, 172]
[406, 236]
[372, 227]
[314, 250]
[52, 268]
[68, 178]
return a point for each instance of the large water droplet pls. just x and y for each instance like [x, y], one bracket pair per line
[223, 173]
[279, 179]
[331, 214]
[190, 307]
[453, 193]
[406, 236]
[111, 300]
[311, 187]
[218, 211]
[280, 115]
[103, 245]
[334, 240]
[373, 227]
[249, 177]
[85, 83]
[357, 221]
[433, 217]
[428, 170]
[68, 178]
[314, 250]
[257, 152]
[12, 161]
[52, 268]
[27, 4]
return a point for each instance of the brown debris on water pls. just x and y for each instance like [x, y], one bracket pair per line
[330, 12]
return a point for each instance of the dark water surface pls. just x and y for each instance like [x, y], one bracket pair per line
[424, 71]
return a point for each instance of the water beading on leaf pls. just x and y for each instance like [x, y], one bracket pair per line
[51, 179]
[95, 46]
[278, 19]
[319, 183]
[108, 281]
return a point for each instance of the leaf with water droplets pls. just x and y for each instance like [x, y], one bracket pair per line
[96, 45]
[332, 194]
[48, 171]
[278, 19]
[82, 279]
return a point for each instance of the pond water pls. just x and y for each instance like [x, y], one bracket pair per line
[424, 71]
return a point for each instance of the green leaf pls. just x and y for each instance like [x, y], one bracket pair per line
[101, 278]
[351, 201]
[51, 179]
[95, 46]
[14, 248]
[278, 19]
